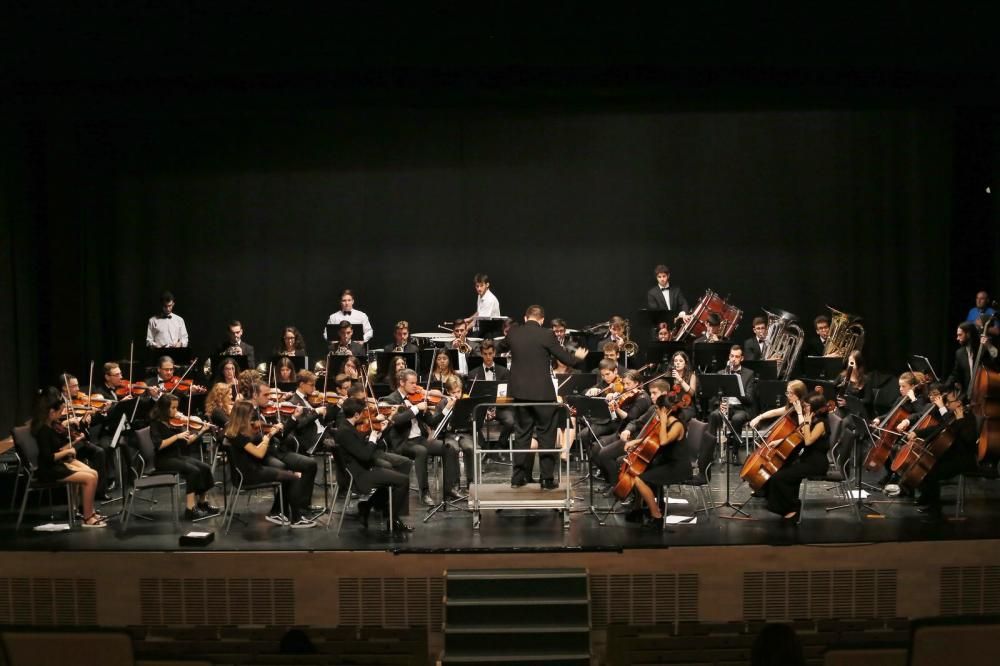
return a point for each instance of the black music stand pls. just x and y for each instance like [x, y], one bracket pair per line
[771, 393]
[381, 390]
[653, 319]
[336, 365]
[921, 364]
[575, 383]
[181, 357]
[460, 415]
[287, 387]
[822, 367]
[725, 386]
[357, 332]
[488, 328]
[857, 416]
[592, 361]
[587, 409]
[660, 353]
[300, 363]
[827, 388]
[483, 388]
[382, 358]
[710, 357]
[765, 370]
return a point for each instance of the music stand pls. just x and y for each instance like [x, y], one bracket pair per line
[575, 383]
[336, 365]
[427, 356]
[483, 388]
[771, 393]
[287, 387]
[822, 367]
[710, 357]
[357, 334]
[921, 364]
[460, 415]
[828, 388]
[588, 408]
[653, 319]
[725, 386]
[382, 358]
[488, 328]
[660, 353]
[765, 370]
[381, 390]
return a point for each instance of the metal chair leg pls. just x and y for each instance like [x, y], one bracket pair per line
[343, 510]
[24, 503]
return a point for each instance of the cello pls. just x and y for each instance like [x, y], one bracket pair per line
[984, 397]
[639, 458]
[889, 431]
[918, 457]
[782, 441]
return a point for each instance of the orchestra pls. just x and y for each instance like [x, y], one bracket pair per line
[271, 432]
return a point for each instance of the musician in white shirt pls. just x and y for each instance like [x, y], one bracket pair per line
[349, 314]
[166, 329]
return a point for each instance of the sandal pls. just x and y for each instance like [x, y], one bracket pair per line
[99, 521]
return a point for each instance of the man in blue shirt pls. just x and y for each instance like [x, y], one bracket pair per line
[982, 307]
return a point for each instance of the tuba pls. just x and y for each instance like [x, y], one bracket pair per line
[783, 342]
[846, 334]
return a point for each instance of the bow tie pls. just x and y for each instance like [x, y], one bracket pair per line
[346, 313]
[163, 316]
[489, 369]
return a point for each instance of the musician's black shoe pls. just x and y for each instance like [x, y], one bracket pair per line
[399, 526]
[453, 495]
[427, 499]
[549, 484]
[364, 508]
[698, 480]
[634, 516]
[518, 482]
[209, 509]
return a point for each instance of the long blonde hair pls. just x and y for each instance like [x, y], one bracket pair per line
[239, 420]
[219, 397]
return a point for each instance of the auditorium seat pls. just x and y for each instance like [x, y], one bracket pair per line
[873, 656]
[939, 641]
[89, 648]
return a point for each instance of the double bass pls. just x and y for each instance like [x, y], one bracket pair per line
[984, 397]
[639, 458]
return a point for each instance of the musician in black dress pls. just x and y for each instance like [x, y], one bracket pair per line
[170, 443]
[531, 348]
[608, 457]
[683, 378]
[854, 382]
[671, 464]
[249, 445]
[913, 403]
[57, 455]
[782, 489]
[90, 423]
[960, 456]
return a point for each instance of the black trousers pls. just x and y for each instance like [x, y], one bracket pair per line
[197, 475]
[97, 458]
[393, 461]
[463, 441]
[542, 422]
[738, 417]
[783, 488]
[954, 462]
[293, 489]
[419, 448]
[607, 460]
[381, 478]
[297, 462]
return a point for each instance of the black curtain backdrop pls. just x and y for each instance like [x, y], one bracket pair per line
[265, 217]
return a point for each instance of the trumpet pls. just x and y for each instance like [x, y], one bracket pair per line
[463, 347]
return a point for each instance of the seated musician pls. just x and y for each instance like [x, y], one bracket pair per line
[912, 403]
[218, 404]
[401, 340]
[461, 342]
[612, 352]
[57, 455]
[170, 444]
[607, 459]
[853, 382]
[713, 329]
[305, 429]
[395, 365]
[739, 410]
[344, 345]
[815, 345]
[683, 378]
[559, 329]
[409, 435]
[245, 382]
[671, 464]
[459, 434]
[782, 489]
[87, 449]
[663, 333]
[298, 429]
[292, 343]
[164, 373]
[560, 368]
[284, 371]
[344, 387]
[601, 427]
[959, 458]
[359, 458]
[228, 373]
[352, 368]
[491, 371]
[166, 329]
[442, 370]
[234, 344]
[615, 334]
[105, 425]
[754, 346]
[249, 444]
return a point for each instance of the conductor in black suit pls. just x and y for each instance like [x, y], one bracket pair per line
[665, 297]
[531, 350]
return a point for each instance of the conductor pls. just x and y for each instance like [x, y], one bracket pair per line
[531, 349]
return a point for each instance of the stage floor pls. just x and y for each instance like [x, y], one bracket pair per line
[524, 530]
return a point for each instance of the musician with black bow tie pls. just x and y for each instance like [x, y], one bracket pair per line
[166, 329]
[349, 314]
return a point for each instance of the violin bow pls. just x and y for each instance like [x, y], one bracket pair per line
[193, 361]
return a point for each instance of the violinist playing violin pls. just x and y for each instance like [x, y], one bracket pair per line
[607, 460]
[459, 434]
[960, 456]
[82, 420]
[670, 464]
[409, 434]
[170, 442]
[609, 384]
[782, 489]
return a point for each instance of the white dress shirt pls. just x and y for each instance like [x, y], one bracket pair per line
[166, 331]
[487, 305]
[355, 317]
[666, 296]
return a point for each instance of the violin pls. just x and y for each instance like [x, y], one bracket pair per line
[275, 408]
[178, 385]
[127, 388]
[623, 400]
[432, 397]
[319, 398]
[191, 423]
[370, 421]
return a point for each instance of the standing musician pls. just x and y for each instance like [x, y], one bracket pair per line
[96, 456]
[409, 434]
[960, 456]
[343, 345]
[166, 329]
[299, 427]
[665, 297]
[361, 460]
[170, 443]
[713, 329]
[968, 340]
[754, 348]
[782, 489]
[639, 410]
[853, 382]
[291, 344]
[57, 455]
[531, 348]
[739, 409]
[487, 304]
[671, 463]
[249, 445]
[401, 340]
[349, 314]
[913, 405]
[235, 346]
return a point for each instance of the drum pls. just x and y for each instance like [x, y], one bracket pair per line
[711, 303]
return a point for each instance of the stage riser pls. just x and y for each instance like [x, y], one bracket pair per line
[329, 589]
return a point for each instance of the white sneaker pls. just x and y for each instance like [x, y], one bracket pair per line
[277, 519]
[303, 523]
[892, 489]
